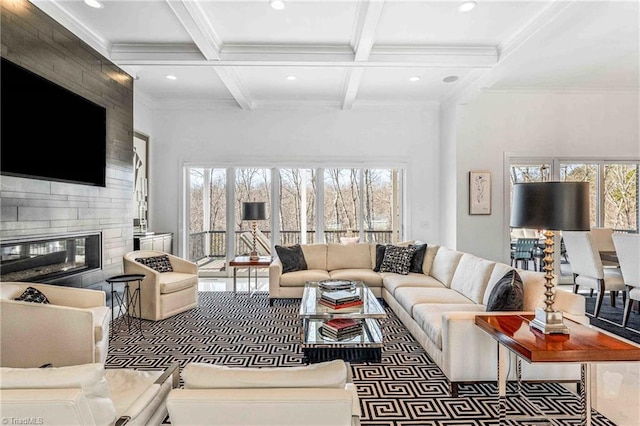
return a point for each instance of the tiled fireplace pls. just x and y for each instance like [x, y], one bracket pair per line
[50, 258]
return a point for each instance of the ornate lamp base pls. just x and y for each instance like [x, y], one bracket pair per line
[549, 322]
[254, 256]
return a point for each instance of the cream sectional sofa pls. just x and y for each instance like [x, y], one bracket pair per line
[438, 306]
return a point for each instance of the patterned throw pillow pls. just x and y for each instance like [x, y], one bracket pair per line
[397, 259]
[507, 294]
[33, 295]
[157, 263]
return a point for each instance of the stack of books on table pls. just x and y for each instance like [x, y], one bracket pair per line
[335, 285]
[340, 299]
[341, 328]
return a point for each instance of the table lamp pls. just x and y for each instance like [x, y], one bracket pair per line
[552, 206]
[254, 211]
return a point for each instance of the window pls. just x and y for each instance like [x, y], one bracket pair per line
[297, 206]
[621, 197]
[380, 205]
[251, 185]
[580, 172]
[341, 203]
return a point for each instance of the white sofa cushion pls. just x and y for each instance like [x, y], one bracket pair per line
[352, 256]
[429, 317]
[88, 377]
[471, 276]
[293, 279]
[331, 374]
[315, 255]
[429, 256]
[445, 264]
[171, 282]
[408, 297]
[394, 281]
[370, 278]
[127, 385]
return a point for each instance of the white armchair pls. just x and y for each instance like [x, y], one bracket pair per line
[86, 395]
[73, 329]
[314, 395]
[163, 294]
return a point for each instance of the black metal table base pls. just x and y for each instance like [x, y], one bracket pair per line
[313, 355]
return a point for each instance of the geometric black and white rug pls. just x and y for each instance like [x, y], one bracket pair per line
[406, 388]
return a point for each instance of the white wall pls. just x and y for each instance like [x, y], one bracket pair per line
[598, 126]
[142, 114]
[264, 138]
[448, 181]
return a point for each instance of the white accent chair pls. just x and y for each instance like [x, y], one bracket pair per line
[163, 294]
[315, 395]
[73, 329]
[588, 270]
[628, 249]
[86, 395]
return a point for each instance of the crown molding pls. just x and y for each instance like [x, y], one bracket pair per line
[58, 12]
[124, 52]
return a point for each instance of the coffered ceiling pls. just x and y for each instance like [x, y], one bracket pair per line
[348, 53]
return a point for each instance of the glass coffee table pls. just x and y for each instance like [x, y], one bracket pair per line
[366, 346]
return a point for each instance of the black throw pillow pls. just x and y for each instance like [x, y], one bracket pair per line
[380, 248]
[418, 258]
[507, 294]
[33, 295]
[292, 258]
[157, 263]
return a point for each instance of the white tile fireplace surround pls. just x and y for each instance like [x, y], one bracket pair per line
[50, 258]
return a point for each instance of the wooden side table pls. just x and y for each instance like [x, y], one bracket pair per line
[246, 262]
[584, 345]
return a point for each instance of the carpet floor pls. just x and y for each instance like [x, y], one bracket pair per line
[610, 318]
[406, 388]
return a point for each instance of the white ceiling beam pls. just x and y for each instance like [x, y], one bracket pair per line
[387, 56]
[197, 24]
[362, 42]
[351, 87]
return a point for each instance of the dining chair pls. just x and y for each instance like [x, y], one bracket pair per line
[523, 252]
[628, 248]
[603, 239]
[588, 270]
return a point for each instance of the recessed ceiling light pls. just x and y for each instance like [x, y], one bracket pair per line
[277, 4]
[171, 77]
[94, 3]
[467, 6]
[414, 78]
[291, 77]
[450, 79]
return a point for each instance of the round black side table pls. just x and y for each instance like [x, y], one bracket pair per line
[129, 299]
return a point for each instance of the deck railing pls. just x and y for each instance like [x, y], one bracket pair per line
[218, 241]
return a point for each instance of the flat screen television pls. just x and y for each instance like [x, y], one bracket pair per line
[49, 132]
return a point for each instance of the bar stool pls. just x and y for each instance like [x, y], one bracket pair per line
[131, 300]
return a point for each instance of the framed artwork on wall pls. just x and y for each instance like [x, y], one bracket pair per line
[140, 182]
[479, 192]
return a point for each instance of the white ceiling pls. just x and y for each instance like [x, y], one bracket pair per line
[346, 53]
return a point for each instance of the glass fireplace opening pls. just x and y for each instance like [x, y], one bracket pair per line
[46, 258]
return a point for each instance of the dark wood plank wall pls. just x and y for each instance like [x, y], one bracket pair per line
[35, 41]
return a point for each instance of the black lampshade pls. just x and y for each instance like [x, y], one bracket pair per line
[254, 210]
[556, 206]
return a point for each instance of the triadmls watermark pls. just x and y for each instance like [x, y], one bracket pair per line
[23, 420]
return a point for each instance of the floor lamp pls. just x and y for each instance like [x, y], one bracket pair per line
[254, 211]
[552, 206]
